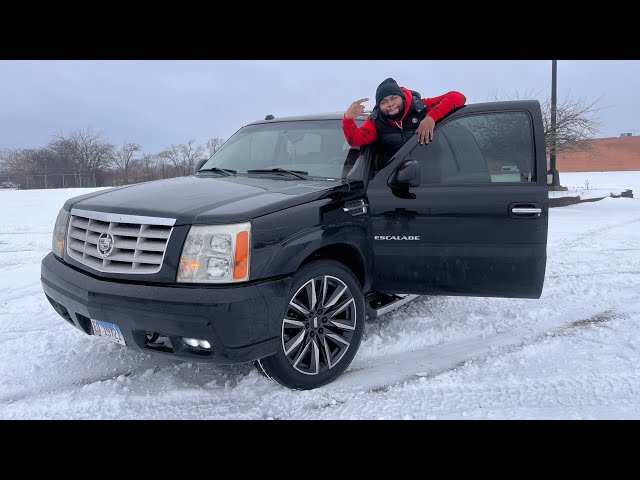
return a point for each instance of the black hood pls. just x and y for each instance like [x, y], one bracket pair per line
[205, 199]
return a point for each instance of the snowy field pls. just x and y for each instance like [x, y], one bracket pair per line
[572, 354]
[597, 184]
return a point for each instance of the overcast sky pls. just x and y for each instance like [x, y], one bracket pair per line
[157, 103]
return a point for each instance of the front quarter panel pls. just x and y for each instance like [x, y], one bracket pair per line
[284, 239]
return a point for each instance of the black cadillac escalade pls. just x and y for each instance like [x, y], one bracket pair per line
[286, 240]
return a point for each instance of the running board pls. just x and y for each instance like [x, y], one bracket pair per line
[379, 305]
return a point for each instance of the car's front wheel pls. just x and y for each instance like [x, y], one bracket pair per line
[321, 327]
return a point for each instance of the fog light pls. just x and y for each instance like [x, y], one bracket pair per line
[192, 342]
[197, 343]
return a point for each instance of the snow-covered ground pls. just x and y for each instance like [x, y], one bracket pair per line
[596, 184]
[572, 354]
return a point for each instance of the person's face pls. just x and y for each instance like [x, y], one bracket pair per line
[391, 105]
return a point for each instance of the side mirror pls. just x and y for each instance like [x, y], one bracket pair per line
[406, 175]
[200, 163]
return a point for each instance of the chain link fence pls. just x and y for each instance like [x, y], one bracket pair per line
[57, 180]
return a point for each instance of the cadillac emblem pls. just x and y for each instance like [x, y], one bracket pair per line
[105, 244]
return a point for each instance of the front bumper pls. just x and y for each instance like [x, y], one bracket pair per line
[242, 323]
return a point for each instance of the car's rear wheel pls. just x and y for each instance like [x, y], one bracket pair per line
[321, 327]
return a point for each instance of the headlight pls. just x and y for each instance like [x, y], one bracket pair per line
[216, 254]
[60, 232]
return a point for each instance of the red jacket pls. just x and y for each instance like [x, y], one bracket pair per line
[437, 107]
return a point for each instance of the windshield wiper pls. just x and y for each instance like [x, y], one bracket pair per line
[295, 173]
[225, 171]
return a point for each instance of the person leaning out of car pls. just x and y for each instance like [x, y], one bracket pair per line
[398, 114]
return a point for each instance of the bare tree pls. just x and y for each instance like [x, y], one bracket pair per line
[123, 158]
[19, 161]
[29, 162]
[191, 155]
[576, 121]
[5, 154]
[213, 145]
[170, 156]
[163, 165]
[147, 167]
[183, 157]
[86, 150]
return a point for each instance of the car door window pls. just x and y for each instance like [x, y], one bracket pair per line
[483, 148]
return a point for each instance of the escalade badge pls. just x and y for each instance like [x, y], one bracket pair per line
[397, 237]
[105, 244]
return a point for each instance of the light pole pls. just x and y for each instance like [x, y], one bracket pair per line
[555, 176]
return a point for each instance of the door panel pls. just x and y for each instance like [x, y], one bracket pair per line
[472, 227]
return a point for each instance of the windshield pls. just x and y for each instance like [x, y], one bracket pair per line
[315, 147]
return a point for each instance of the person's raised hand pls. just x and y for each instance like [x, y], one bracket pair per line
[355, 109]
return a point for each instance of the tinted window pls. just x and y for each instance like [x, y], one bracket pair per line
[496, 147]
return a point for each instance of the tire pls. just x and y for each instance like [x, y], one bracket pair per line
[317, 342]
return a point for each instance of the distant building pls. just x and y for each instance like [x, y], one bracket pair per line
[607, 154]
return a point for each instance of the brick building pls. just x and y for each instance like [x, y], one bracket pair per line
[608, 154]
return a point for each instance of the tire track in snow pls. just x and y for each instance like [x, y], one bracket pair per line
[429, 364]
[10, 399]
[22, 293]
[593, 274]
[220, 375]
[582, 391]
[381, 374]
[571, 243]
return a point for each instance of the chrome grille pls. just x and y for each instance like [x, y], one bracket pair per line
[139, 242]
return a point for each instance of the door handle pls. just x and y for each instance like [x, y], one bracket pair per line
[525, 210]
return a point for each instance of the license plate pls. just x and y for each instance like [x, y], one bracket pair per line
[110, 331]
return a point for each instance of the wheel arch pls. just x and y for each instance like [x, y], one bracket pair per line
[346, 245]
[344, 253]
